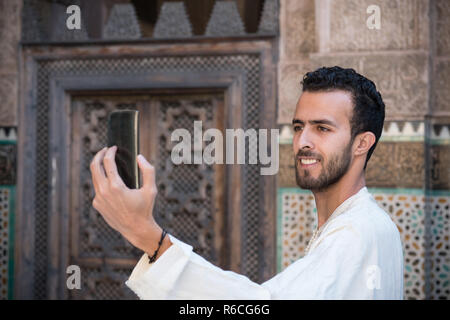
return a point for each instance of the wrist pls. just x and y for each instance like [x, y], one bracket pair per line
[145, 236]
[147, 239]
[152, 258]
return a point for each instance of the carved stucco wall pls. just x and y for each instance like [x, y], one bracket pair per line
[409, 173]
[9, 39]
[324, 32]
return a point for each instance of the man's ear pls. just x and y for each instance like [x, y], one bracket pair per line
[363, 142]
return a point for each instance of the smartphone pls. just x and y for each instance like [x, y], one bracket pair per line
[123, 132]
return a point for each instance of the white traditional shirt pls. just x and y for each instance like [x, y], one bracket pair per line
[357, 255]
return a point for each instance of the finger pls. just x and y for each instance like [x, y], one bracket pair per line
[111, 168]
[98, 175]
[148, 172]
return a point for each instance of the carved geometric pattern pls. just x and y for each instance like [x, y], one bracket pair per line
[296, 222]
[406, 207]
[297, 29]
[42, 184]
[439, 174]
[8, 98]
[4, 241]
[193, 208]
[122, 23]
[408, 213]
[8, 164]
[440, 245]
[442, 88]
[399, 78]
[9, 38]
[9, 35]
[403, 131]
[105, 282]
[249, 67]
[8, 134]
[186, 205]
[396, 165]
[269, 17]
[97, 239]
[173, 21]
[225, 20]
[403, 25]
[32, 21]
[442, 27]
[440, 133]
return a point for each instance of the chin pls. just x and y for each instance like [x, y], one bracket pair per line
[305, 184]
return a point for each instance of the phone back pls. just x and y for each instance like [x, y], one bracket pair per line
[123, 132]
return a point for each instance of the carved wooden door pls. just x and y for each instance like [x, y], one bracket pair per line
[191, 198]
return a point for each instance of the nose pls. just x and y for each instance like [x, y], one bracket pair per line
[305, 139]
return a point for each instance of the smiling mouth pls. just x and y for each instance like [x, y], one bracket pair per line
[305, 162]
[308, 161]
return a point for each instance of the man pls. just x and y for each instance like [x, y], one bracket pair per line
[355, 253]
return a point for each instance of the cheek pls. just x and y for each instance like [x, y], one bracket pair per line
[335, 148]
[328, 148]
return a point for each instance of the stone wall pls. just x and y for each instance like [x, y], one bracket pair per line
[9, 38]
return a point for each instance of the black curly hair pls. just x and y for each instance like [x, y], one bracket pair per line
[368, 106]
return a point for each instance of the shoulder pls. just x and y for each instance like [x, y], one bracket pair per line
[369, 223]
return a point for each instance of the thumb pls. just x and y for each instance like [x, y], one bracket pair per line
[148, 172]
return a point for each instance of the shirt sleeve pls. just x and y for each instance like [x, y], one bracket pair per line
[334, 269]
[180, 273]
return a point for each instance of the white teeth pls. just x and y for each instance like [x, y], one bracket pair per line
[308, 161]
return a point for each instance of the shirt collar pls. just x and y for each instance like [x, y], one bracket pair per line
[351, 201]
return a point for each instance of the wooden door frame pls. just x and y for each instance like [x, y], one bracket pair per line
[60, 90]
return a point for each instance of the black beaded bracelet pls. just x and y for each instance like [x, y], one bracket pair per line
[153, 257]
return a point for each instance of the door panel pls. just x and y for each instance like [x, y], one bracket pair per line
[191, 197]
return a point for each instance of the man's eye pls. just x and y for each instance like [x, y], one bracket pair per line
[297, 128]
[323, 129]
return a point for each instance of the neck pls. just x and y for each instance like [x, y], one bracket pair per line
[329, 199]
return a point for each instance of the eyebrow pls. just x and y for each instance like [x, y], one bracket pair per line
[319, 121]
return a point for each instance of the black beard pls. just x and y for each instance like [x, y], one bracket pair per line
[337, 166]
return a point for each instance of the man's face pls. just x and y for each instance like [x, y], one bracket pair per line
[322, 138]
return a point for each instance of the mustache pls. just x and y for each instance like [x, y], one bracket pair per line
[307, 153]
